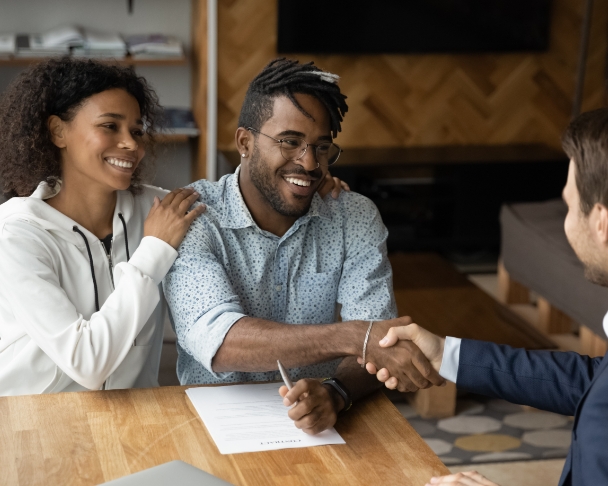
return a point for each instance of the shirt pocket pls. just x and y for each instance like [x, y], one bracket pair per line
[316, 295]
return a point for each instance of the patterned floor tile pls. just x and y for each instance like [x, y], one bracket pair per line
[487, 443]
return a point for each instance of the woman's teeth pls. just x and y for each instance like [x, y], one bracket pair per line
[119, 162]
[297, 182]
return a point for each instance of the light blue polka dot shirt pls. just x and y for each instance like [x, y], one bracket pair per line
[334, 257]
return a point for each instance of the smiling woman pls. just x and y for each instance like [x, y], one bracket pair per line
[83, 243]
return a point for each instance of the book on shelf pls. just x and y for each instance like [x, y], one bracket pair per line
[101, 45]
[178, 121]
[154, 46]
[7, 45]
[62, 36]
[53, 42]
[79, 42]
[32, 46]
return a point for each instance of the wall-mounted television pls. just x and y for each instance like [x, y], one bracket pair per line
[412, 26]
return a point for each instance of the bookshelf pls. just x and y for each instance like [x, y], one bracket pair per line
[169, 138]
[127, 61]
[171, 77]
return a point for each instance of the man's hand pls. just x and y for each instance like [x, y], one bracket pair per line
[427, 342]
[469, 478]
[403, 362]
[317, 408]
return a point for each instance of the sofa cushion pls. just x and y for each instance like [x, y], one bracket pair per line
[537, 254]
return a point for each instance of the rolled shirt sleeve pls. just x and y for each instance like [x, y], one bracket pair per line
[203, 304]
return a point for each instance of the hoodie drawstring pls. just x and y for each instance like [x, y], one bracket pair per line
[124, 227]
[86, 242]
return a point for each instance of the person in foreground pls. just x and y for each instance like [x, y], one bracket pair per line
[560, 382]
[258, 276]
[83, 244]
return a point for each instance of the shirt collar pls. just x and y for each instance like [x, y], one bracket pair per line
[236, 213]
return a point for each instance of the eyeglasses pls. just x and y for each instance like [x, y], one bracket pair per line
[294, 148]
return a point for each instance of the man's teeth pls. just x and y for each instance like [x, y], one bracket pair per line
[297, 182]
[119, 162]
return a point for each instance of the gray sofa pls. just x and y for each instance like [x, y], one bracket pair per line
[536, 253]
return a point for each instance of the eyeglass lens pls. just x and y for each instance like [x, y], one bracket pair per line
[294, 149]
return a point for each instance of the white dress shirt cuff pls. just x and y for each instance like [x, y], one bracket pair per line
[451, 359]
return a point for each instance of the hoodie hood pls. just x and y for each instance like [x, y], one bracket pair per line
[34, 210]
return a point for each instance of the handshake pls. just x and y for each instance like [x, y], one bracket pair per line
[403, 356]
[406, 358]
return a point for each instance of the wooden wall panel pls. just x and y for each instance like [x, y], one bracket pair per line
[409, 100]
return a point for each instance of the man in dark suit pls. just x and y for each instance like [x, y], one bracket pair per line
[561, 382]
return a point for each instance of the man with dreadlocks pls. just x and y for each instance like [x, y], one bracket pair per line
[259, 276]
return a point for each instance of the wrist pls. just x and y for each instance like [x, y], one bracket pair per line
[439, 359]
[355, 337]
[340, 395]
[336, 399]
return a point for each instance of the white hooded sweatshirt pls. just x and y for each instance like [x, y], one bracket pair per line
[71, 319]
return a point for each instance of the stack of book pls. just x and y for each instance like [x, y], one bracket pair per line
[178, 121]
[101, 45]
[154, 46]
[70, 39]
[7, 45]
[55, 42]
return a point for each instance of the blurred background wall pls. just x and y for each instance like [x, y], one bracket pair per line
[408, 100]
[172, 83]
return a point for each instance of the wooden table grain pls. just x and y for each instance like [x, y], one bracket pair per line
[92, 437]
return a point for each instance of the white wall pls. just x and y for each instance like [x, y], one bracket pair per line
[172, 83]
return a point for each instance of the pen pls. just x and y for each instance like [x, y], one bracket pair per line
[285, 377]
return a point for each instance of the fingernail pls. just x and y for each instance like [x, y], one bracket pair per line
[286, 402]
[384, 341]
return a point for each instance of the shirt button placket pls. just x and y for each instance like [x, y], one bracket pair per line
[276, 294]
[280, 285]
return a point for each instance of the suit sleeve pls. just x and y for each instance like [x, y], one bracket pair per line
[549, 380]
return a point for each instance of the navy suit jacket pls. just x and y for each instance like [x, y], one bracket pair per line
[560, 382]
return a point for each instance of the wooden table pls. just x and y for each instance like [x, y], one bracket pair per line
[439, 298]
[93, 437]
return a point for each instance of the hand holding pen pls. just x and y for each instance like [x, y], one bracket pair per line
[313, 408]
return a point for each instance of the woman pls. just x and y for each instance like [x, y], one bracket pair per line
[83, 243]
[82, 252]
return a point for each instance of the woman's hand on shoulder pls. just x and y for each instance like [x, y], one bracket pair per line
[169, 219]
[333, 185]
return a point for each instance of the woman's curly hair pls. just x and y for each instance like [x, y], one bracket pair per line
[59, 87]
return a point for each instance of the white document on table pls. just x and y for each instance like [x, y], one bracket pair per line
[251, 418]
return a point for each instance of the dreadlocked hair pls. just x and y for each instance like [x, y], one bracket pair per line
[285, 77]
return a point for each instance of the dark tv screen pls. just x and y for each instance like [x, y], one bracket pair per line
[412, 26]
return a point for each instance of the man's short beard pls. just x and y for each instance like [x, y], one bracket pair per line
[596, 275]
[263, 181]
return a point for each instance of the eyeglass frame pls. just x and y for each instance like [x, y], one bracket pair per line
[316, 146]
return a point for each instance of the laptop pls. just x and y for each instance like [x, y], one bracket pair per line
[170, 474]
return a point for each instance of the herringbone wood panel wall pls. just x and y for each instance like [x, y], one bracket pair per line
[408, 100]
